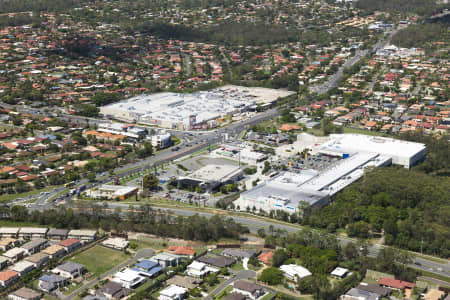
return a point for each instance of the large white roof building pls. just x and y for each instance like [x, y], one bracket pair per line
[402, 152]
[287, 190]
[175, 110]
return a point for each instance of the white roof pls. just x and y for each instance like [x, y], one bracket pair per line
[172, 291]
[116, 242]
[22, 266]
[339, 272]
[215, 172]
[350, 143]
[165, 256]
[127, 275]
[83, 232]
[9, 230]
[13, 252]
[196, 265]
[38, 230]
[293, 270]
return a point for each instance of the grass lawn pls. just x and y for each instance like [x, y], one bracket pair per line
[70, 288]
[237, 267]
[269, 296]
[373, 276]
[209, 289]
[99, 259]
[225, 292]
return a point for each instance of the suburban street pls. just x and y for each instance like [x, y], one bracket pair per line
[333, 81]
[240, 275]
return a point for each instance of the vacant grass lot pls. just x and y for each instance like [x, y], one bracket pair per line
[99, 259]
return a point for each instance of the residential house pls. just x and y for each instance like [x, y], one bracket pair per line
[70, 244]
[238, 253]
[32, 232]
[116, 243]
[25, 293]
[9, 232]
[57, 234]
[396, 284]
[166, 259]
[23, 267]
[114, 290]
[172, 292]
[339, 272]
[38, 259]
[357, 294]
[217, 261]
[83, 235]
[266, 257]
[69, 270]
[294, 272]
[3, 262]
[186, 282]
[199, 269]
[55, 251]
[7, 243]
[34, 246]
[182, 251]
[374, 288]
[51, 282]
[8, 277]
[14, 254]
[147, 268]
[129, 279]
[252, 290]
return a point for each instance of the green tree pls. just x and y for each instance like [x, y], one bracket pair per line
[271, 276]
[150, 182]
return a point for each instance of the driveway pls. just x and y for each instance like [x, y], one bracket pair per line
[241, 275]
[146, 252]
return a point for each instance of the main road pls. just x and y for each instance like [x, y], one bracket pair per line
[333, 81]
[433, 265]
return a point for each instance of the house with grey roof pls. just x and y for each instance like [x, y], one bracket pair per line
[238, 253]
[69, 270]
[251, 290]
[57, 234]
[35, 246]
[114, 290]
[51, 282]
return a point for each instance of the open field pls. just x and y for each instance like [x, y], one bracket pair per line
[99, 259]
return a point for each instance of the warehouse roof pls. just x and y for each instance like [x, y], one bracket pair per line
[348, 143]
[215, 172]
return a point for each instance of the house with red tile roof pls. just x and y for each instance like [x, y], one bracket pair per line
[182, 250]
[395, 283]
[8, 277]
[266, 257]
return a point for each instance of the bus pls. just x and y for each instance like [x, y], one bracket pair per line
[69, 184]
